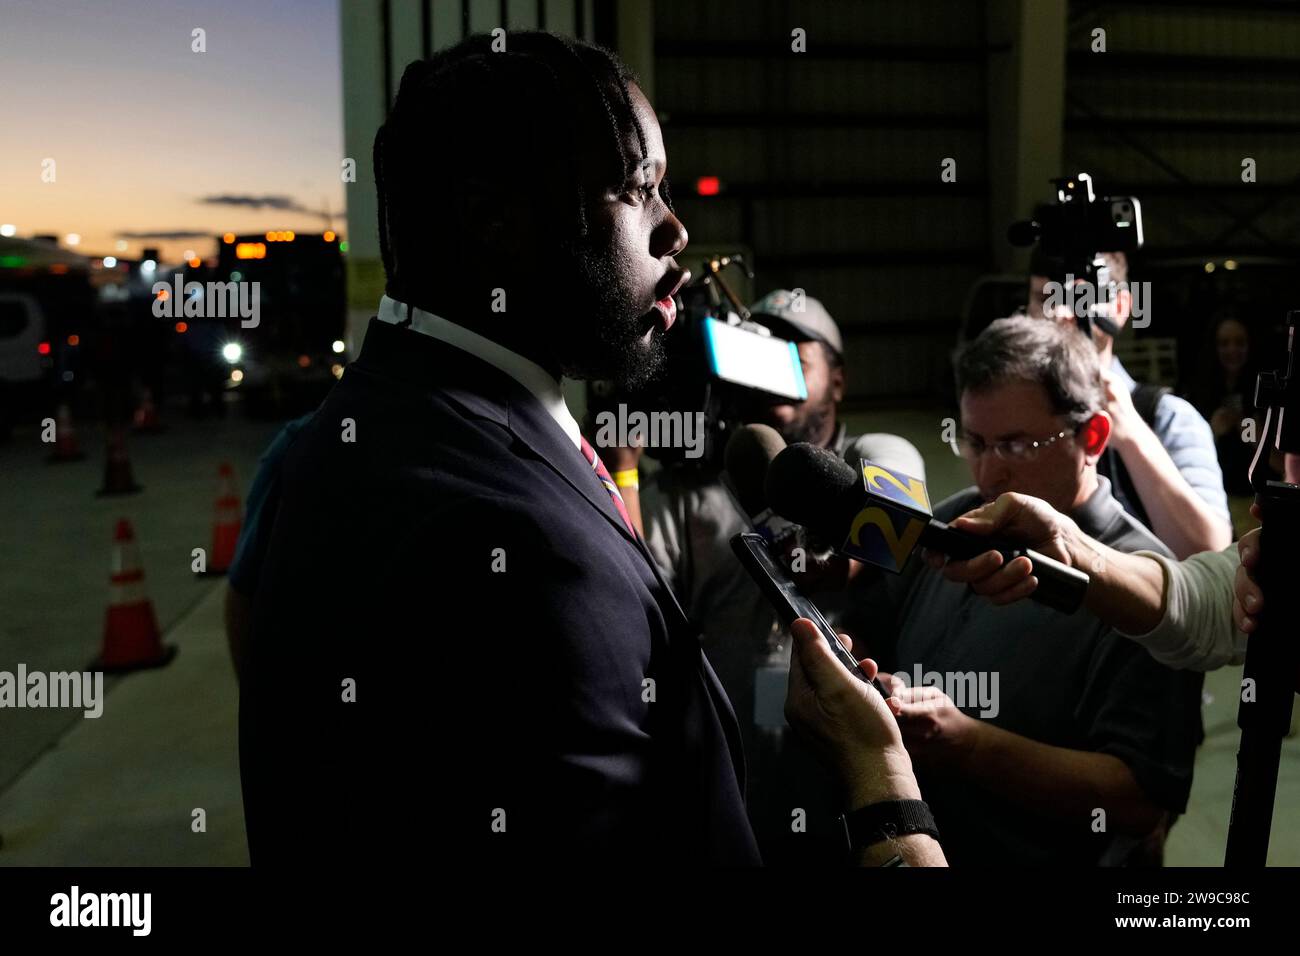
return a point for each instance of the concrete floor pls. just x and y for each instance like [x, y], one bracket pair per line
[108, 790]
[121, 790]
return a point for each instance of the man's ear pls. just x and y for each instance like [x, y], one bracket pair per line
[1123, 306]
[837, 383]
[1094, 434]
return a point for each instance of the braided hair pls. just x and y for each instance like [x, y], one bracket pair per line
[469, 112]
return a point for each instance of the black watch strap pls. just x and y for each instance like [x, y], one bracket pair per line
[885, 821]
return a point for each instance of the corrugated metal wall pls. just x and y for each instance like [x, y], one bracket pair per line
[1184, 92]
[830, 160]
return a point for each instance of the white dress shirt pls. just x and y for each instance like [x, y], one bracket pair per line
[524, 371]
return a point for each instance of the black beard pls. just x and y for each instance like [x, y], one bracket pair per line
[603, 335]
[810, 426]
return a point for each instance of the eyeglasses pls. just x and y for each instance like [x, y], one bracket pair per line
[1016, 449]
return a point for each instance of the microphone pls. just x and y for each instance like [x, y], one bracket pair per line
[889, 451]
[749, 452]
[883, 516]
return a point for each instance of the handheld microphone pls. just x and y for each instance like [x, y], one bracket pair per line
[749, 452]
[883, 516]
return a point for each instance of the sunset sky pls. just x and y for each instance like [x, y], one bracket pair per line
[142, 129]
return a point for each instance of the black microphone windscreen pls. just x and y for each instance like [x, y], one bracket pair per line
[813, 487]
[749, 452]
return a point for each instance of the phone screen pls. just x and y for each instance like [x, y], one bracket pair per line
[756, 361]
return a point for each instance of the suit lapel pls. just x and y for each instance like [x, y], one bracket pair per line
[482, 390]
[487, 392]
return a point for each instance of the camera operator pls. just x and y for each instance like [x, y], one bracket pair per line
[1162, 460]
[688, 518]
[1194, 614]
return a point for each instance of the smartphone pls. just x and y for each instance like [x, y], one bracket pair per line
[787, 600]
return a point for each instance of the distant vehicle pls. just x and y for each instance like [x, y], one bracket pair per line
[47, 319]
[288, 362]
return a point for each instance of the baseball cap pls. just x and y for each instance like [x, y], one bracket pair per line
[799, 319]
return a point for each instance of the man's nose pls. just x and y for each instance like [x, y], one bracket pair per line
[669, 237]
[989, 470]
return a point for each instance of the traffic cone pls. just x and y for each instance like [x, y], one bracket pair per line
[146, 416]
[66, 446]
[131, 636]
[226, 520]
[118, 479]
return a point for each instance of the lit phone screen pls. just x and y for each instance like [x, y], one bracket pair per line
[755, 361]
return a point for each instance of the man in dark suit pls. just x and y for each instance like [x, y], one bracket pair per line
[461, 650]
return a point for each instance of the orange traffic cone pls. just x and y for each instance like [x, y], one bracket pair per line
[226, 520]
[146, 416]
[131, 637]
[66, 446]
[118, 479]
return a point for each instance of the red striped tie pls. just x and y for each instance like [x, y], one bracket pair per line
[603, 474]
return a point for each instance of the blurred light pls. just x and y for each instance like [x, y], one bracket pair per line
[189, 254]
[182, 327]
[708, 186]
[336, 370]
[195, 262]
[250, 250]
[43, 348]
[232, 352]
[1209, 267]
[148, 266]
[337, 346]
[8, 229]
[110, 262]
[288, 236]
[272, 236]
[329, 236]
[343, 246]
[304, 361]
[1230, 264]
[67, 375]
[237, 375]
[164, 294]
[120, 245]
[228, 238]
[58, 269]
[236, 276]
[72, 239]
[74, 340]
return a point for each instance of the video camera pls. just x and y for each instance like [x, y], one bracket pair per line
[721, 368]
[1074, 230]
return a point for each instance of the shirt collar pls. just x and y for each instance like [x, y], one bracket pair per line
[1095, 515]
[526, 372]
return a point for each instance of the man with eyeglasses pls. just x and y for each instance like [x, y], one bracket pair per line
[1082, 752]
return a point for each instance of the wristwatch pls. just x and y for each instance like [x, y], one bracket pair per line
[886, 821]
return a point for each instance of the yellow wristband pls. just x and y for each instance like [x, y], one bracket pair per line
[627, 479]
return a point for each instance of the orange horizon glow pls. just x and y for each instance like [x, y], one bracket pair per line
[259, 118]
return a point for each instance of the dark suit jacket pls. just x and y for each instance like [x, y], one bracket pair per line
[525, 684]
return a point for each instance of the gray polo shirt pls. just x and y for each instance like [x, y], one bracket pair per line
[1064, 680]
